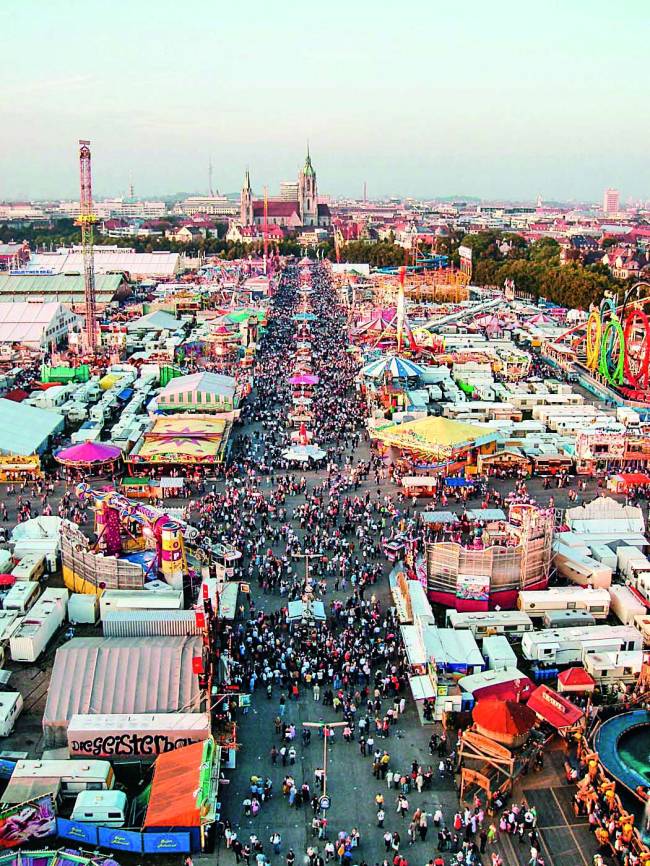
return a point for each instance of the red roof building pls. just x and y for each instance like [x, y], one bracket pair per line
[558, 711]
[575, 680]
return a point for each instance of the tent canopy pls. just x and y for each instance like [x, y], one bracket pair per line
[174, 800]
[88, 452]
[435, 435]
[25, 429]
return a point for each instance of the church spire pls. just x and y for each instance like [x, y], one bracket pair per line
[308, 170]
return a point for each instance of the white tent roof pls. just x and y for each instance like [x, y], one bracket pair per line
[162, 264]
[212, 383]
[159, 320]
[24, 322]
[120, 675]
[24, 429]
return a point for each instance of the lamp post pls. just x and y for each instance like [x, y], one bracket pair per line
[326, 726]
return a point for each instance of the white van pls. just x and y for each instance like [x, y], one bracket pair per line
[104, 808]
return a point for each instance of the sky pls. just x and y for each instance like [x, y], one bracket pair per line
[503, 99]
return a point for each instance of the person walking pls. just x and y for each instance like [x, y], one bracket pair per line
[291, 857]
[276, 841]
[380, 817]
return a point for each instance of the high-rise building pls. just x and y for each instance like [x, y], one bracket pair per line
[289, 190]
[610, 201]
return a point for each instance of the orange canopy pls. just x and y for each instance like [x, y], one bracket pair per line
[175, 789]
[504, 717]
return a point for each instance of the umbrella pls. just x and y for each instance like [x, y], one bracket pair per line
[394, 366]
[302, 453]
[304, 379]
[303, 317]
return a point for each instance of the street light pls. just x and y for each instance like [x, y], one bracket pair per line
[326, 726]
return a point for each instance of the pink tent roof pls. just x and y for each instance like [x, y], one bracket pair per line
[304, 379]
[88, 452]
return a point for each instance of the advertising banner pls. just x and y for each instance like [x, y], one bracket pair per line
[120, 840]
[473, 587]
[77, 830]
[166, 843]
[27, 821]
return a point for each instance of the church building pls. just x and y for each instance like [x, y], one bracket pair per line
[302, 212]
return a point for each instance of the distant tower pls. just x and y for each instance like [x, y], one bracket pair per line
[611, 202]
[246, 202]
[131, 187]
[210, 189]
[87, 220]
[540, 203]
[308, 193]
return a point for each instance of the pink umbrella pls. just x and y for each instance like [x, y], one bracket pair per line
[304, 379]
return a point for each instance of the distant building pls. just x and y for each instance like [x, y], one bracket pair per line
[13, 255]
[611, 201]
[255, 234]
[186, 234]
[297, 208]
[289, 190]
[211, 205]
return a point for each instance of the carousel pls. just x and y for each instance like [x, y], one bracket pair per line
[93, 458]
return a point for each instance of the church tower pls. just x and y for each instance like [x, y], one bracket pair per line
[308, 193]
[246, 202]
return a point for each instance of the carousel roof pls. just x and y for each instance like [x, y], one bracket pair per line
[393, 365]
[88, 452]
[504, 717]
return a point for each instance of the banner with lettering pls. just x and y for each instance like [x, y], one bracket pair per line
[166, 843]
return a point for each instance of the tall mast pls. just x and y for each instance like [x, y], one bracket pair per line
[87, 220]
[266, 226]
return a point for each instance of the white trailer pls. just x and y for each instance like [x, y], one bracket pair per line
[625, 554]
[490, 622]
[11, 705]
[22, 596]
[83, 608]
[567, 645]
[625, 605]
[126, 599]
[581, 569]
[537, 603]
[614, 667]
[72, 777]
[30, 567]
[604, 553]
[39, 626]
[498, 653]
[643, 625]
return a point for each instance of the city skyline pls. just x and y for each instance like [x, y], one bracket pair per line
[490, 103]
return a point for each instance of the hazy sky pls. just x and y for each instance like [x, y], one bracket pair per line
[495, 99]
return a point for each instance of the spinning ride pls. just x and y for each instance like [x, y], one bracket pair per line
[618, 344]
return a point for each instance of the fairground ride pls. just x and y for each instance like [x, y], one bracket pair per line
[613, 345]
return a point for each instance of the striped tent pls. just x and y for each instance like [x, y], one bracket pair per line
[393, 366]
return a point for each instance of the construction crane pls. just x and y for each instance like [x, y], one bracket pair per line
[86, 221]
